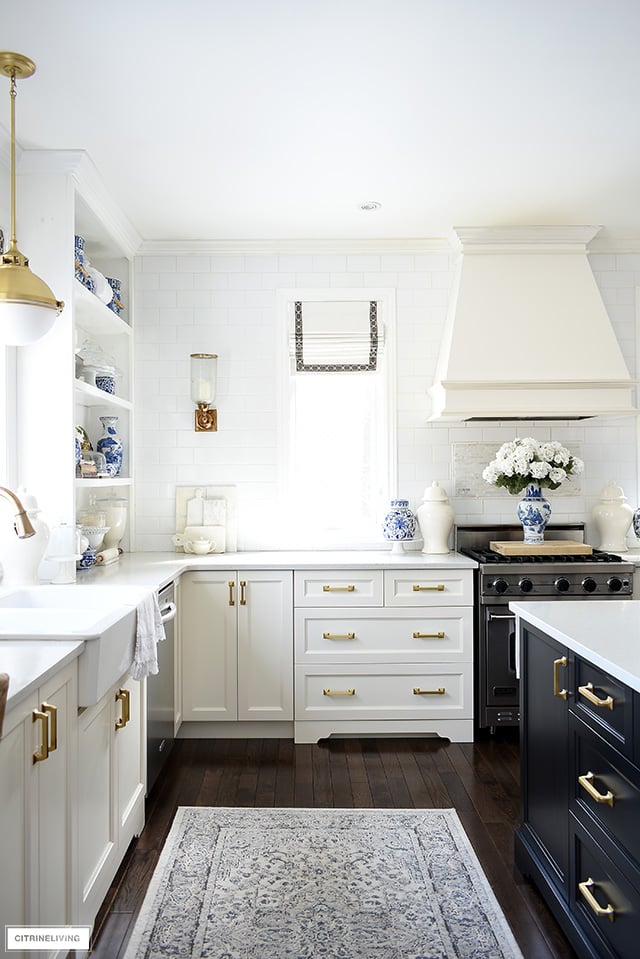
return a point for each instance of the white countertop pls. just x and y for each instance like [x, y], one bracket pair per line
[30, 662]
[606, 632]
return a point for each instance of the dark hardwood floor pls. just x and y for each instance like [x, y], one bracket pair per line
[480, 780]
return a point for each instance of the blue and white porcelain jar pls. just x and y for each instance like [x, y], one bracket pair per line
[399, 524]
[116, 302]
[110, 445]
[533, 512]
[78, 249]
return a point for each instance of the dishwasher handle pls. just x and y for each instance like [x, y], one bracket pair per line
[168, 613]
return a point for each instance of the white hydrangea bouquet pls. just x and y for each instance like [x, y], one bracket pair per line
[523, 462]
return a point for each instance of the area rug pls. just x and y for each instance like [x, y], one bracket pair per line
[319, 884]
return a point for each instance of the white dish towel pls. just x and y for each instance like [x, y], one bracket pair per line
[149, 631]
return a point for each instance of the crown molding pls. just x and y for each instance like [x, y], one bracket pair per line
[316, 247]
[629, 244]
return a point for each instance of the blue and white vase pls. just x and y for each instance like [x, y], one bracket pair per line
[399, 524]
[78, 248]
[116, 301]
[111, 445]
[533, 512]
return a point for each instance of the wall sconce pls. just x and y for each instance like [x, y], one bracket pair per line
[203, 390]
[28, 308]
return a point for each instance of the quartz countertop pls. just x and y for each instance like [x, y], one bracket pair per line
[30, 662]
[605, 632]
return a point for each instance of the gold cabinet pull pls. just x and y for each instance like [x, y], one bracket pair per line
[338, 635]
[588, 693]
[557, 663]
[232, 601]
[438, 635]
[123, 696]
[338, 589]
[586, 782]
[338, 692]
[420, 589]
[608, 910]
[53, 725]
[440, 691]
[243, 593]
[42, 753]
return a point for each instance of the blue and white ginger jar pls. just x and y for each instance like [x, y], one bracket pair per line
[111, 445]
[534, 512]
[399, 523]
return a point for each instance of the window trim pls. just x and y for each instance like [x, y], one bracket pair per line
[386, 297]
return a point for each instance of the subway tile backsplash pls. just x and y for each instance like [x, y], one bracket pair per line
[227, 304]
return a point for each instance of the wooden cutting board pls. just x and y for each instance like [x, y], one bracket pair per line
[552, 547]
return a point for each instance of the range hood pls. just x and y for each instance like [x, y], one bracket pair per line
[527, 334]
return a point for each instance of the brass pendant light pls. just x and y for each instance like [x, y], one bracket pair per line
[28, 308]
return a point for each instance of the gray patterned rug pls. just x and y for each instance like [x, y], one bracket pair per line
[319, 884]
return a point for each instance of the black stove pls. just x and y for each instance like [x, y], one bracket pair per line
[500, 579]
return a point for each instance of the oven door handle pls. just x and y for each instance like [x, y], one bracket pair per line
[511, 616]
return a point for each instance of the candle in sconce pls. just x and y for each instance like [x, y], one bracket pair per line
[201, 391]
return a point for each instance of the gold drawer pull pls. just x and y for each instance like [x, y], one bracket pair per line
[243, 592]
[557, 663]
[440, 691]
[338, 692]
[338, 635]
[53, 725]
[588, 693]
[585, 888]
[419, 589]
[586, 782]
[231, 584]
[438, 635]
[338, 589]
[123, 696]
[43, 752]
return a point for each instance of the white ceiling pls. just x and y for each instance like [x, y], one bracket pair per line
[267, 119]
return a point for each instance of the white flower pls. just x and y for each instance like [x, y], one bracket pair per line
[522, 461]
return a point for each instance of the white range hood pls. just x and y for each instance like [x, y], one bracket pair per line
[527, 334]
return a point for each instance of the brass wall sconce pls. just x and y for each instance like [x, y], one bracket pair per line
[204, 368]
[28, 308]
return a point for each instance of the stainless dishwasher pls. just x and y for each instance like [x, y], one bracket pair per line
[161, 694]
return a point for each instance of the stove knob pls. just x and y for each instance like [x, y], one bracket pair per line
[562, 584]
[525, 585]
[589, 584]
[615, 584]
[500, 585]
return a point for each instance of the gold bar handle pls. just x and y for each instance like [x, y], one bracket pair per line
[43, 752]
[123, 696]
[338, 589]
[243, 593]
[438, 635]
[557, 663]
[53, 725]
[420, 589]
[588, 693]
[338, 692]
[440, 691]
[586, 782]
[338, 635]
[232, 601]
[608, 911]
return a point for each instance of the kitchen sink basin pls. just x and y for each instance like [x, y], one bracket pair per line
[105, 617]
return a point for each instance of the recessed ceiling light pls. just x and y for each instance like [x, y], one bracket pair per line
[370, 205]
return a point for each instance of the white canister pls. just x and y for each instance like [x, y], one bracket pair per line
[435, 518]
[612, 516]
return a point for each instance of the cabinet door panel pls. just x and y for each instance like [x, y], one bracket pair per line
[208, 636]
[130, 772]
[265, 646]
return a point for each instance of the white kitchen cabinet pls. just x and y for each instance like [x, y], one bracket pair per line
[402, 663]
[61, 197]
[37, 784]
[111, 790]
[237, 645]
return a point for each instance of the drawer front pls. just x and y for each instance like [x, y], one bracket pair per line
[384, 692]
[608, 904]
[607, 788]
[605, 704]
[433, 587]
[384, 635]
[343, 587]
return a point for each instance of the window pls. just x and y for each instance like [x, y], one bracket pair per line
[340, 416]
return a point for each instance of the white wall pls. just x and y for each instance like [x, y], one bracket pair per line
[225, 303]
